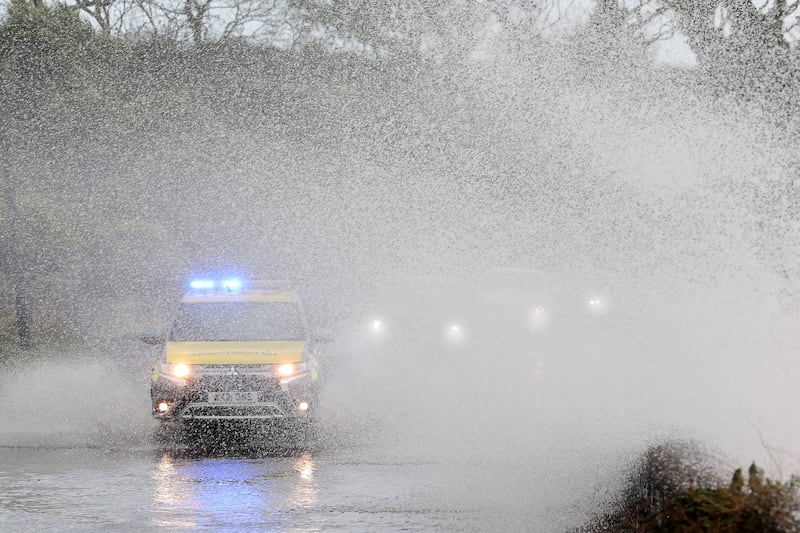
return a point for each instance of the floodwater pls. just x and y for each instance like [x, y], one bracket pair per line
[78, 450]
[366, 489]
[369, 487]
[101, 490]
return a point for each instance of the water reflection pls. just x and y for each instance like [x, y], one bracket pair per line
[171, 494]
[305, 488]
[233, 493]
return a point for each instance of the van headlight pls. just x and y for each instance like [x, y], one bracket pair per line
[178, 373]
[375, 329]
[181, 370]
[454, 333]
[597, 305]
[287, 370]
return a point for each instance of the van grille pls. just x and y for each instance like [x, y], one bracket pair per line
[205, 411]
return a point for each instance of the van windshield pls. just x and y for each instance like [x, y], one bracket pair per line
[238, 321]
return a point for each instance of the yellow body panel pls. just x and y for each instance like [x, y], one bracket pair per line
[235, 353]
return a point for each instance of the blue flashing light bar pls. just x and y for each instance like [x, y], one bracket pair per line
[199, 284]
[232, 284]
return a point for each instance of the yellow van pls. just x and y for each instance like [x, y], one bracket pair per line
[237, 350]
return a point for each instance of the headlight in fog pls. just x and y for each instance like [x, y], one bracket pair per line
[181, 370]
[596, 305]
[290, 369]
[454, 332]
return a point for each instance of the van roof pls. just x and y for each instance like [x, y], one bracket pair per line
[252, 291]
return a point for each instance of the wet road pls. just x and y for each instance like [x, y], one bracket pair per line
[88, 489]
[95, 490]
[429, 462]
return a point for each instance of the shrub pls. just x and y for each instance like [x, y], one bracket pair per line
[673, 487]
[762, 505]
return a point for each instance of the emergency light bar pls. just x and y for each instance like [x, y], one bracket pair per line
[232, 284]
[236, 284]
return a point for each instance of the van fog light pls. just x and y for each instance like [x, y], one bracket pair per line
[303, 406]
[163, 407]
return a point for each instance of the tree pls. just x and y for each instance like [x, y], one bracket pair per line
[397, 28]
[99, 10]
[13, 266]
[45, 58]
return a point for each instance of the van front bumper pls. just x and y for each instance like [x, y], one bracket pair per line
[240, 392]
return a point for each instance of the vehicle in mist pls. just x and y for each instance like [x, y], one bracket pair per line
[526, 299]
[237, 351]
[422, 310]
[535, 315]
[521, 315]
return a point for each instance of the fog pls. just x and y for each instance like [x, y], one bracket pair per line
[635, 185]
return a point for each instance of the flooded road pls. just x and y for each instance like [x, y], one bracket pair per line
[422, 466]
[97, 490]
[149, 490]
[78, 450]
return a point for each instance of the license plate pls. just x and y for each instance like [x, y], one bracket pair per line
[233, 397]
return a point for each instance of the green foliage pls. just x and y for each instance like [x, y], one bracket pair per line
[668, 491]
[737, 481]
[42, 42]
[766, 506]
[47, 241]
[51, 59]
[30, 26]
